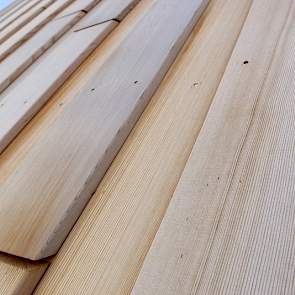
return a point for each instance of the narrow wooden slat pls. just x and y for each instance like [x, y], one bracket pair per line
[24, 19]
[78, 148]
[115, 231]
[52, 9]
[205, 221]
[19, 277]
[23, 57]
[20, 102]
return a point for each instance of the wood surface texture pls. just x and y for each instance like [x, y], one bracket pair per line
[72, 156]
[20, 102]
[104, 252]
[19, 277]
[229, 228]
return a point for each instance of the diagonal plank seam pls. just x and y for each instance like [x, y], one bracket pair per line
[100, 23]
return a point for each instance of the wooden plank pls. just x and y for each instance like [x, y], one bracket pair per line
[53, 8]
[114, 233]
[24, 19]
[15, 111]
[204, 245]
[19, 277]
[79, 154]
[23, 57]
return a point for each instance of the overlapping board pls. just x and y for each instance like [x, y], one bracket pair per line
[114, 233]
[229, 228]
[70, 158]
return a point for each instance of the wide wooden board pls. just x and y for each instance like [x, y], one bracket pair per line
[72, 156]
[114, 233]
[19, 277]
[229, 228]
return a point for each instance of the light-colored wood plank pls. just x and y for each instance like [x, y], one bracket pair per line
[26, 32]
[25, 97]
[24, 19]
[24, 56]
[234, 203]
[80, 145]
[19, 277]
[115, 231]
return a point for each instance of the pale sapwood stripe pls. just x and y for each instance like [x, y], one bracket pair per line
[19, 277]
[30, 51]
[104, 252]
[8, 20]
[180, 251]
[26, 32]
[20, 102]
[24, 19]
[86, 136]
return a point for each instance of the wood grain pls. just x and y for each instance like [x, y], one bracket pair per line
[78, 148]
[105, 251]
[25, 97]
[19, 277]
[229, 227]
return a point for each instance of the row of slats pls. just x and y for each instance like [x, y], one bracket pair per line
[40, 203]
[18, 276]
[20, 103]
[225, 206]
[105, 251]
